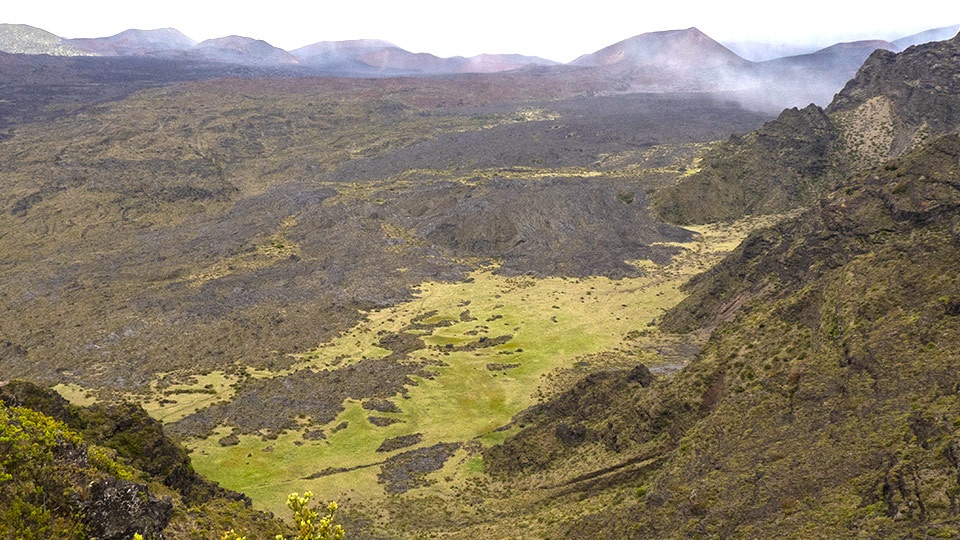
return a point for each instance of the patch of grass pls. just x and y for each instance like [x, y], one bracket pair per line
[268, 470]
[76, 394]
[169, 402]
[545, 326]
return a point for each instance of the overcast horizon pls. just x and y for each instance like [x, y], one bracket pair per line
[534, 28]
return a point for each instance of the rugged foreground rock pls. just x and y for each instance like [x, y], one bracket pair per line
[107, 473]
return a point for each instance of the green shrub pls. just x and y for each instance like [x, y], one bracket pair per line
[309, 524]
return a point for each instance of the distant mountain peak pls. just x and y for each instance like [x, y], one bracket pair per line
[676, 49]
[934, 34]
[135, 42]
[244, 50]
[167, 37]
[349, 44]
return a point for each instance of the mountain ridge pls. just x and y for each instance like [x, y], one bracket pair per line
[824, 401]
[135, 42]
[243, 50]
[683, 50]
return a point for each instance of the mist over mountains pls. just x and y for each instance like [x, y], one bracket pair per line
[764, 76]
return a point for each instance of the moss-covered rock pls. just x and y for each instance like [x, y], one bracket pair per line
[52, 485]
[106, 472]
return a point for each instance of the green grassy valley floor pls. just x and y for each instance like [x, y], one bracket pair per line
[481, 350]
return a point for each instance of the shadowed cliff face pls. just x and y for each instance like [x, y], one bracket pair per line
[840, 367]
[921, 85]
[915, 191]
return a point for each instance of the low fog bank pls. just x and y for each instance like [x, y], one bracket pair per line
[766, 88]
[772, 89]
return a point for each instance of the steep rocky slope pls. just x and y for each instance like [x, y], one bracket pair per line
[787, 161]
[825, 402]
[913, 95]
[895, 102]
[838, 401]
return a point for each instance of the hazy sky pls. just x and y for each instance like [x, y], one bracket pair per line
[551, 29]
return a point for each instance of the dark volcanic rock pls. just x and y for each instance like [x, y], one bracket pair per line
[584, 131]
[640, 374]
[402, 441]
[612, 409]
[315, 394]
[383, 421]
[560, 226]
[787, 162]
[381, 405]
[43, 88]
[571, 435]
[314, 435]
[408, 470]
[502, 367]
[401, 343]
[229, 440]
[186, 239]
[118, 508]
